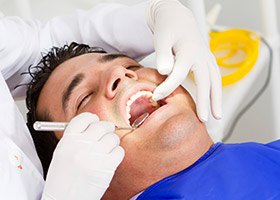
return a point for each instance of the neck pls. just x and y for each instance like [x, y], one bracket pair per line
[147, 170]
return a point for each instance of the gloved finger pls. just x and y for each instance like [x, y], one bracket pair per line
[96, 131]
[202, 81]
[164, 56]
[111, 161]
[106, 144]
[104, 178]
[176, 77]
[80, 123]
[116, 156]
[216, 90]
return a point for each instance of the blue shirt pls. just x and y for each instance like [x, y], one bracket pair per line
[225, 171]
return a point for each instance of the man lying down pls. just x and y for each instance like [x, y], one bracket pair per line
[170, 156]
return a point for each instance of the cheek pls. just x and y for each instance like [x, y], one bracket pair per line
[100, 110]
[150, 75]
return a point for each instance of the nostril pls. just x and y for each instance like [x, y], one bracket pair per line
[115, 85]
[129, 75]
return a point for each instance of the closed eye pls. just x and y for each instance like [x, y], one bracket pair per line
[84, 100]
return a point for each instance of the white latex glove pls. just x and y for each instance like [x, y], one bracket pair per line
[180, 48]
[84, 161]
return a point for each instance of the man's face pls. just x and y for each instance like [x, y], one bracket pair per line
[93, 83]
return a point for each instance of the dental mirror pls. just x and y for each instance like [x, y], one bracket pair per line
[140, 120]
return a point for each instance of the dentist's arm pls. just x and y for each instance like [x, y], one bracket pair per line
[84, 161]
[114, 27]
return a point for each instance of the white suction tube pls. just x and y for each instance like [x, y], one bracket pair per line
[271, 33]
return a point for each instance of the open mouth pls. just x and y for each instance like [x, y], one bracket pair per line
[141, 103]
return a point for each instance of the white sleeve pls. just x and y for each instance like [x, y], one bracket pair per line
[114, 27]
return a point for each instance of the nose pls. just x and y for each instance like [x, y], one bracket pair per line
[115, 77]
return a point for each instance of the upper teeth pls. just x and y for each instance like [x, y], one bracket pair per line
[133, 98]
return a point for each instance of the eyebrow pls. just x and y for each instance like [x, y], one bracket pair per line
[110, 57]
[67, 93]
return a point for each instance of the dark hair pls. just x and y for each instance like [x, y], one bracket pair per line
[45, 142]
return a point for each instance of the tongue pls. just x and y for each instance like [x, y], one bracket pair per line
[140, 106]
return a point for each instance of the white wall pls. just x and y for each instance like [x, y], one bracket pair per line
[256, 123]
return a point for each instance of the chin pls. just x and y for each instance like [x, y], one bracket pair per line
[177, 130]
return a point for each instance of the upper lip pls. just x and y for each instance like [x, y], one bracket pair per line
[133, 90]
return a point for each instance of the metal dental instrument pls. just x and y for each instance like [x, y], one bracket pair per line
[139, 120]
[60, 126]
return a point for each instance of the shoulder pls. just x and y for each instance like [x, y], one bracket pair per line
[275, 145]
[249, 149]
[249, 145]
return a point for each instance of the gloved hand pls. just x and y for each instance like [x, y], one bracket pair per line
[84, 161]
[180, 48]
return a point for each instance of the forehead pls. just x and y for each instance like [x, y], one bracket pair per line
[90, 60]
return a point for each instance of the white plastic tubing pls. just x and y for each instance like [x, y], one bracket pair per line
[271, 33]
